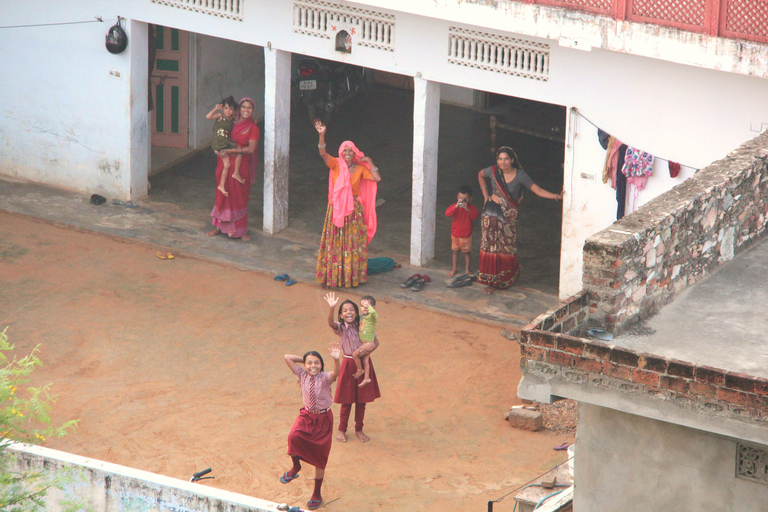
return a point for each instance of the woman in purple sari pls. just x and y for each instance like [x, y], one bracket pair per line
[230, 213]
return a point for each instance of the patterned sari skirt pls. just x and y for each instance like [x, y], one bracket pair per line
[498, 265]
[343, 256]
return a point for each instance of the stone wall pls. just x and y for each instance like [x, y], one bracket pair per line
[642, 261]
[569, 316]
[592, 364]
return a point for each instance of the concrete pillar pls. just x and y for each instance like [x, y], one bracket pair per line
[277, 138]
[426, 121]
[136, 185]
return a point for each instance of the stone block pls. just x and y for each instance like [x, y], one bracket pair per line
[526, 419]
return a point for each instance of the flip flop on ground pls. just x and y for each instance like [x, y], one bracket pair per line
[411, 281]
[420, 283]
[286, 478]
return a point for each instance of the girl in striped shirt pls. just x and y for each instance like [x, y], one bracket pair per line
[310, 438]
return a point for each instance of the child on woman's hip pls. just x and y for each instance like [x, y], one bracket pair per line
[224, 116]
[368, 322]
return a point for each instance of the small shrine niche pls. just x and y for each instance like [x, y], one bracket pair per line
[343, 42]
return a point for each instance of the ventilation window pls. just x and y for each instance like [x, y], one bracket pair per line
[508, 55]
[328, 20]
[752, 463]
[232, 9]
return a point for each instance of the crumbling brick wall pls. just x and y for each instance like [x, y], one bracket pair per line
[642, 261]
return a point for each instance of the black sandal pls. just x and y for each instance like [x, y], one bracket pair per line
[419, 284]
[411, 281]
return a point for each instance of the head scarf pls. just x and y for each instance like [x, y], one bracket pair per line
[242, 124]
[340, 192]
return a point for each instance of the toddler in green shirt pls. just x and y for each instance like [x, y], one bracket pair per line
[368, 320]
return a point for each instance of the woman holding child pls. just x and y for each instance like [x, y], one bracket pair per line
[348, 390]
[350, 219]
[498, 267]
[230, 211]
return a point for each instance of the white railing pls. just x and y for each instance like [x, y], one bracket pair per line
[509, 55]
[232, 9]
[321, 19]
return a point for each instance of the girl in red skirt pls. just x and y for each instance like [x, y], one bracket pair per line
[310, 438]
[347, 390]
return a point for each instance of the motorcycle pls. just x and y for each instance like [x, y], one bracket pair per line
[322, 86]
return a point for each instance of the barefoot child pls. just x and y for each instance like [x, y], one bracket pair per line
[368, 321]
[310, 438]
[224, 121]
[464, 214]
[347, 328]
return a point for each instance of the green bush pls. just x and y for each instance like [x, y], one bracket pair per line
[24, 418]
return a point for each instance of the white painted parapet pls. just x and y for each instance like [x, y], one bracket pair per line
[106, 487]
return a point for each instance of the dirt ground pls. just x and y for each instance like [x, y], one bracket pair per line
[176, 366]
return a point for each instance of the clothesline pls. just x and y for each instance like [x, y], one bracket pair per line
[575, 111]
[97, 19]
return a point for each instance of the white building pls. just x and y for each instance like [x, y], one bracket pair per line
[76, 116]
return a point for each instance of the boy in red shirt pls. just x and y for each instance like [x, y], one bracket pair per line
[463, 213]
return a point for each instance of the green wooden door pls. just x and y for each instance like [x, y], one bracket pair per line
[170, 88]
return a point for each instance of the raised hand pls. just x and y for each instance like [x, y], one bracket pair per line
[320, 127]
[331, 299]
[219, 106]
[364, 303]
[335, 350]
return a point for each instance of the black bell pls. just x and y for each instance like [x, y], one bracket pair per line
[117, 40]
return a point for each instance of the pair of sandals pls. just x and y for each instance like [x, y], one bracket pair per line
[285, 277]
[461, 281]
[416, 282]
[311, 504]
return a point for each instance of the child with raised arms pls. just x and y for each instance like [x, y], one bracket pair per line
[347, 327]
[310, 438]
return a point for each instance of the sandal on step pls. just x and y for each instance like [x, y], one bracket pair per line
[281, 277]
[411, 281]
[419, 284]
[290, 282]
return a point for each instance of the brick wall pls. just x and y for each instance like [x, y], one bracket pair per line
[570, 315]
[598, 364]
[642, 261]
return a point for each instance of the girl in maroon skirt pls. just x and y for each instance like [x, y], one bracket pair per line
[347, 390]
[310, 438]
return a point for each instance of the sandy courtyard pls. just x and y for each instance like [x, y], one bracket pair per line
[176, 366]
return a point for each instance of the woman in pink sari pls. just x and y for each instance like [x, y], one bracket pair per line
[350, 219]
[230, 213]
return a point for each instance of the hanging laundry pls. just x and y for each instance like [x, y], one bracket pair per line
[607, 164]
[637, 163]
[603, 138]
[674, 169]
[621, 182]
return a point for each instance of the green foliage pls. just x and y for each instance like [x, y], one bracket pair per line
[25, 418]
